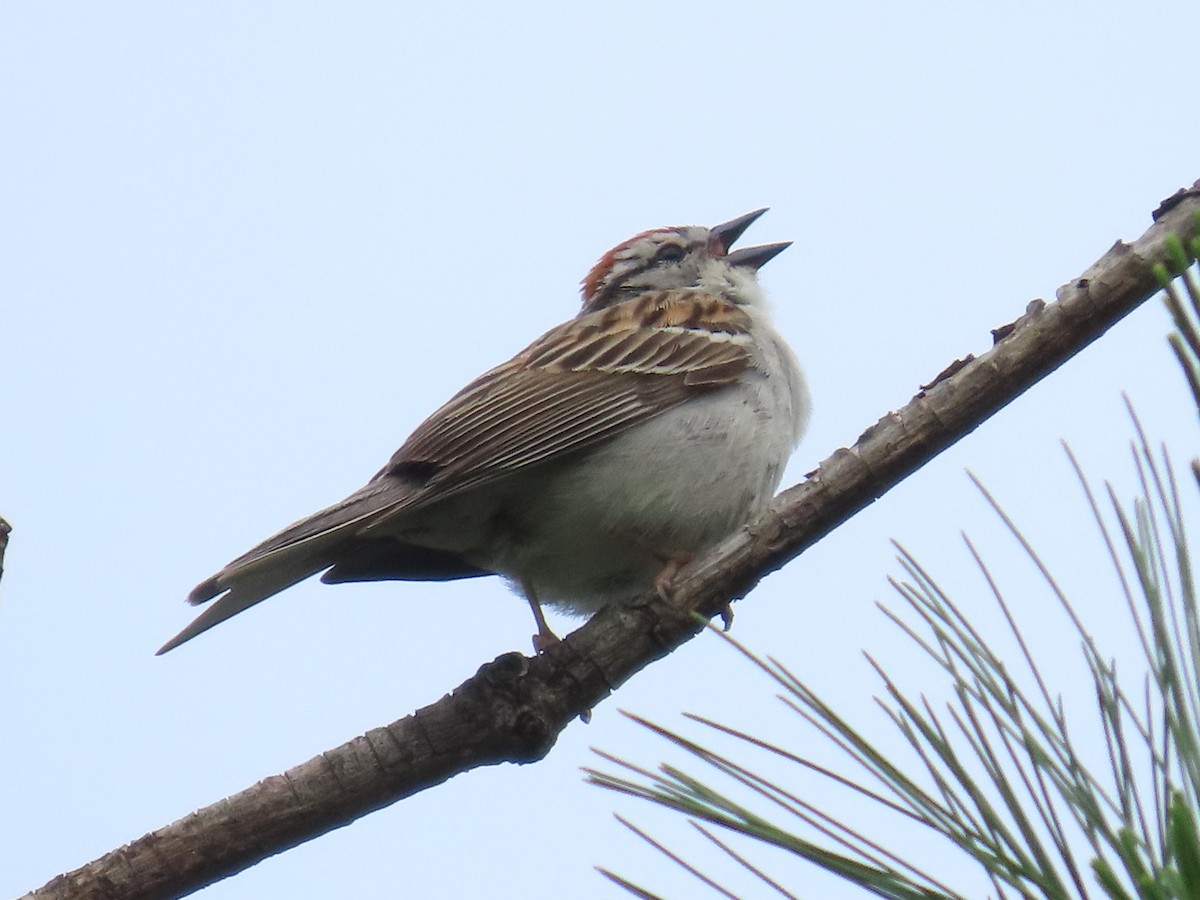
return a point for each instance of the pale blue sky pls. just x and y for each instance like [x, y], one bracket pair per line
[247, 247]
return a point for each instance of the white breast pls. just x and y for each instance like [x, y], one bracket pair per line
[599, 528]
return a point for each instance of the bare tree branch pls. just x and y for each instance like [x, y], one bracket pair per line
[513, 709]
[5, 531]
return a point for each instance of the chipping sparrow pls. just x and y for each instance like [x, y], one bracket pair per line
[588, 467]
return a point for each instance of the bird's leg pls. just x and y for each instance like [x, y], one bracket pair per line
[545, 638]
[664, 583]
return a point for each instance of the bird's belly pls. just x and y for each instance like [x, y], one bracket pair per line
[599, 528]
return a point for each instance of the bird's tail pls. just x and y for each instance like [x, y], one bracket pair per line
[302, 549]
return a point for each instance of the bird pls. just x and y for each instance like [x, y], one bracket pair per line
[590, 467]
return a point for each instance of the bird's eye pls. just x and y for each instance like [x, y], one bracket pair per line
[670, 253]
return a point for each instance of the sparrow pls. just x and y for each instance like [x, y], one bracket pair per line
[588, 468]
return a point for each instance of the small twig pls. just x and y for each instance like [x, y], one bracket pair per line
[5, 530]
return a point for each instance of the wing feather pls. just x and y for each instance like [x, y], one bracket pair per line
[579, 384]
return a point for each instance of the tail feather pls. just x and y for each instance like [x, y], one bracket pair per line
[241, 592]
[388, 559]
[301, 550]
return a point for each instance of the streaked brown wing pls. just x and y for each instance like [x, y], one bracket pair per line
[581, 383]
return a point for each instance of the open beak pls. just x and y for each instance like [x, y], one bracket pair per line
[756, 257]
[723, 236]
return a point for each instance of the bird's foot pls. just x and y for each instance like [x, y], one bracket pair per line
[664, 581]
[544, 639]
[664, 584]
